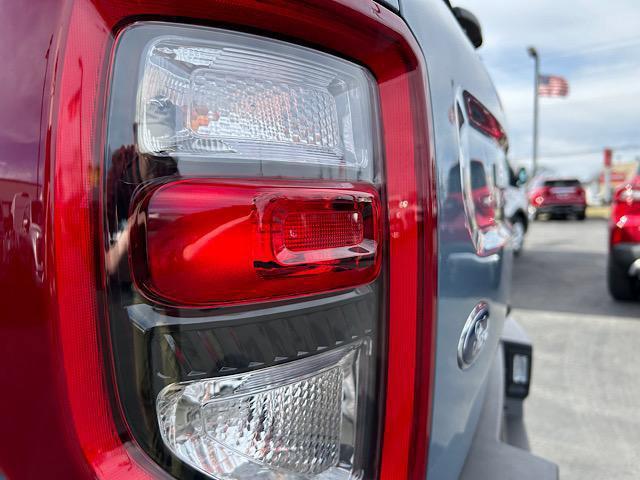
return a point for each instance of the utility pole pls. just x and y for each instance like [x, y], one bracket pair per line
[533, 53]
[608, 157]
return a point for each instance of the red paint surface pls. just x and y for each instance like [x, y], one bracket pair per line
[624, 225]
[542, 196]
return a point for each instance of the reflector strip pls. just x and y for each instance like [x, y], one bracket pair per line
[319, 230]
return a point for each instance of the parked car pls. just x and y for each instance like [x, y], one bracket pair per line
[623, 269]
[516, 209]
[230, 265]
[558, 197]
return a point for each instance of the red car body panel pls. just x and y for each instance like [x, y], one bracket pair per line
[624, 224]
[33, 36]
[544, 196]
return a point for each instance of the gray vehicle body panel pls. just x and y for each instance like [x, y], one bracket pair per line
[499, 449]
[475, 267]
[477, 432]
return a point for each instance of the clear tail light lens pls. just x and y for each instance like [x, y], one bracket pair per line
[244, 253]
[245, 98]
[294, 420]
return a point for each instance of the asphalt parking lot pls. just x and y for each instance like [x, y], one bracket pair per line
[582, 411]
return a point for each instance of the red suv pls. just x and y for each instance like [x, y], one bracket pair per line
[624, 241]
[558, 198]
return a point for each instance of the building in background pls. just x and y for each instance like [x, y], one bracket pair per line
[595, 187]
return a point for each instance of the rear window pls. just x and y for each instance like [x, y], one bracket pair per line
[562, 183]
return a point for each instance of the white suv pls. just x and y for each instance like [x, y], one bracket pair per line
[516, 206]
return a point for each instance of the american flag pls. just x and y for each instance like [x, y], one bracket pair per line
[552, 86]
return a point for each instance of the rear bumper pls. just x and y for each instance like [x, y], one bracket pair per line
[561, 209]
[623, 255]
[500, 447]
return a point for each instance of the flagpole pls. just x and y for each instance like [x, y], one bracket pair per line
[533, 53]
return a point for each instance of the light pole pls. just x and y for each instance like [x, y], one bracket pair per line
[533, 53]
[608, 157]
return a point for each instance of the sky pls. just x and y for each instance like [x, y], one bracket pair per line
[595, 45]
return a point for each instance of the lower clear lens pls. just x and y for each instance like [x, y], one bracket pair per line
[292, 421]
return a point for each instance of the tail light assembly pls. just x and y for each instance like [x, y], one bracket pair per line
[625, 215]
[255, 394]
[254, 233]
[628, 195]
[539, 195]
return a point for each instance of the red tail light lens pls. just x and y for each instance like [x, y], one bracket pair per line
[338, 231]
[204, 243]
[483, 120]
[626, 202]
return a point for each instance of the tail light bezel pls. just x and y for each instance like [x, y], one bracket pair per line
[360, 31]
